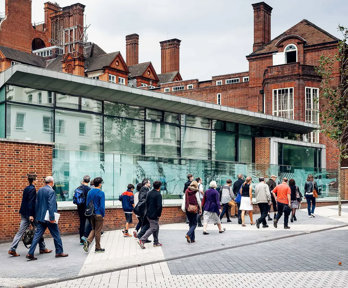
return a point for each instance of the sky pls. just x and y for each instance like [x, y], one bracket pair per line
[216, 35]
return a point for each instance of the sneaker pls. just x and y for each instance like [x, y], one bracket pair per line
[275, 223]
[157, 244]
[127, 235]
[86, 246]
[188, 238]
[135, 234]
[229, 220]
[269, 218]
[141, 244]
[313, 215]
[310, 216]
[257, 224]
[286, 227]
[13, 253]
[100, 250]
[83, 239]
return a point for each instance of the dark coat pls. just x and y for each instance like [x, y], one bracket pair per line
[236, 186]
[154, 204]
[45, 200]
[271, 184]
[28, 201]
[187, 184]
[140, 208]
[212, 201]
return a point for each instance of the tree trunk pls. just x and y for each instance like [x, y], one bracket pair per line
[339, 188]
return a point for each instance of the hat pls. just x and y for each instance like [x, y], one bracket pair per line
[194, 184]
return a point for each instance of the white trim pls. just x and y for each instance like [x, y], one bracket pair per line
[167, 89]
[218, 83]
[286, 62]
[246, 79]
[189, 86]
[232, 81]
[288, 102]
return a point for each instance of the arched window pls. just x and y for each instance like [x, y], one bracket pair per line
[290, 53]
[37, 43]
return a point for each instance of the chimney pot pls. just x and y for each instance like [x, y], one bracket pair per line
[170, 55]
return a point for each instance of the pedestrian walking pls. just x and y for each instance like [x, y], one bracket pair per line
[212, 208]
[311, 192]
[140, 208]
[263, 200]
[296, 198]
[227, 197]
[46, 202]
[236, 189]
[283, 195]
[272, 184]
[246, 202]
[153, 213]
[79, 199]
[27, 212]
[136, 200]
[201, 194]
[96, 201]
[188, 182]
[192, 208]
[127, 200]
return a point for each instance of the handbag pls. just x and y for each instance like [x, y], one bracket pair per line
[239, 196]
[192, 208]
[315, 193]
[28, 235]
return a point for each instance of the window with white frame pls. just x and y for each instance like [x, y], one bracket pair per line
[121, 80]
[82, 128]
[47, 124]
[143, 85]
[189, 86]
[178, 88]
[246, 79]
[290, 53]
[232, 81]
[218, 98]
[30, 98]
[218, 83]
[283, 102]
[60, 126]
[312, 111]
[20, 121]
[166, 89]
[39, 95]
[95, 77]
[112, 78]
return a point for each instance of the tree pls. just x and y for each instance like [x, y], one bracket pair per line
[334, 101]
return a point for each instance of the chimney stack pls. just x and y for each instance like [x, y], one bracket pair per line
[262, 24]
[170, 55]
[132, 49]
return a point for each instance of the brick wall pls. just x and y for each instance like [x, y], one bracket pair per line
[344, 183]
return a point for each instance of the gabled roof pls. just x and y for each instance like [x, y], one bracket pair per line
[23, 57]
[168, 77]
[138, 69]
[92, 49]
[306, 30]
[101, 61]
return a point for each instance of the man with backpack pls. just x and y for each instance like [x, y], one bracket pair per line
[95, 208]
[79, 199]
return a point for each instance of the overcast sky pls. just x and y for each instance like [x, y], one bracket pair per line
[216, 35]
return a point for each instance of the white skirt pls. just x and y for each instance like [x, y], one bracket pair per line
[245, 204]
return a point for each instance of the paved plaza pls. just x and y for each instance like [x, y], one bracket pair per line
[307, 255]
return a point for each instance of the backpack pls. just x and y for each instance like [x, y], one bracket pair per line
[89, 209]
[79, 196]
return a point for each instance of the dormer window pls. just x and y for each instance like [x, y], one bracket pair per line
[290, 53]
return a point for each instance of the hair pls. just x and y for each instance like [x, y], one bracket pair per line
[198, 179]
[292, 182]
[189, 176]
[145, 181]
[31, 178]
[213, 184]
[274, 176]
[130, 186]
[91, 183]
[86, 178]
[240, 176]
[97, 181]
[49, 179]
[228, 181]
[310, 177]
[285, 179]
[157, 185]
[139, 185]
[247, 180]
[261, 179]
[194, 184]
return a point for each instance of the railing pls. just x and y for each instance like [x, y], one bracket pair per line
[290, 69]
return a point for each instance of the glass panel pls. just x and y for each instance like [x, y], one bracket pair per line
[154, 115]
[123, 135]
[224, 146]
[196, 143]
[29, 95]
[231, 127]
[123, 110]
[172, 118]
[218, 125]
[245, 149]
[162, 139]
[2, 120]
[297, 155]
[91, 105]
[198, 122]
[29, 123]
[67, 101]
[2, 94]
[244, 129]
[78, 131]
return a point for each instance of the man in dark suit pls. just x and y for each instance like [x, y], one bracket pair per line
[27, 212]
[46, 200]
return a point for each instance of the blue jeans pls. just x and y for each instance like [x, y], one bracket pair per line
[225, 209]
[310, 200]
[40, 230]
[192, 217]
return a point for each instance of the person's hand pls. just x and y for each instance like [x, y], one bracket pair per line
[200, 211]
[220, 210]
[52, 221]
[31, 218]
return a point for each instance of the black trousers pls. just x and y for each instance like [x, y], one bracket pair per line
[239, 214]
[286, 209]
[81, 210]
[264, 211]
[144, 226]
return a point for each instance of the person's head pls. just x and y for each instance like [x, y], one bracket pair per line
[130, 187]
[189, 177]
[157, 185]
[274, 178]
[240, 176]
[194, 184]
[49, 181]
[285, 180]
[310, 177]
[86, 179]
[139, 185]
[213, 184]
[32, 179]
[91, 183]
[261, 179]
[98, 181]
[199, 180]
[292, 182]
[229, 182]
[248, 180]
[146, 182]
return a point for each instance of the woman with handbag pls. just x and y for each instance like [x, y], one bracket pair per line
[295, 199]
[311, 192]
[192, 207]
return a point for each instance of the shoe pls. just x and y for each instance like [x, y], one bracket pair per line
[61, 255]
[100, 250]
[275, 223]
[200, 225]
[252, 223]
[86, 246]
[265, 226]
[286, 227]
[291, 219]
[127, 235]
[269, 218]
[141, 244]
[243, 225]
[135, 234]
[313, 215]
[45, 251]
[30, 257]
[13, 253]
[157, 244]
[148, 241]
[295, 219]
[81, 243]
[258, 224]
[188, 239]
[223, 230]
[205, 233]
[229, 220]
[83, 239]
[193, 241]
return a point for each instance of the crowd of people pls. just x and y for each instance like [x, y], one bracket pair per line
[234, 200]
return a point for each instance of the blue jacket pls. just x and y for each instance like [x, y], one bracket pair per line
[98, 197]
[127, 199]
[28, 201]
[212, 201]
[45, 200]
